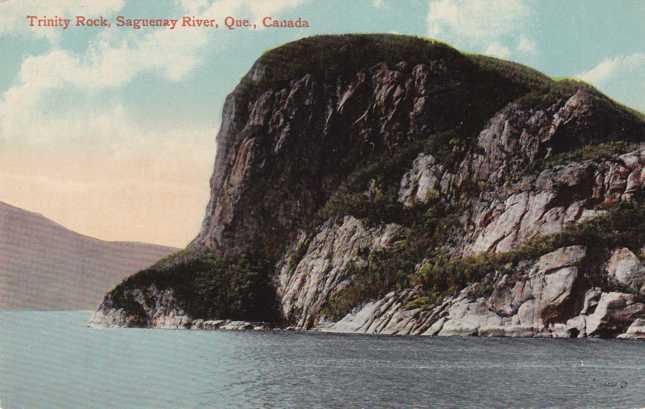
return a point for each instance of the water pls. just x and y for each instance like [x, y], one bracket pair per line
[51, 360]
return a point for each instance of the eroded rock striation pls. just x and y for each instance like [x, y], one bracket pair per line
[392, 185]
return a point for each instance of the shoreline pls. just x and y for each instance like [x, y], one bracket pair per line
[248, 326]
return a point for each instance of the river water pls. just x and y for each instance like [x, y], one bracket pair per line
[52, 360]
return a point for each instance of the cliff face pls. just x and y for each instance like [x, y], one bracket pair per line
[387, 184]
[290, 135]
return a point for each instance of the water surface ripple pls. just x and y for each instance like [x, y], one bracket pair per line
[52, 360]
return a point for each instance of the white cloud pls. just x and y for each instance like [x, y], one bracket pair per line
[498, 50]
[476, 19]
[379, 4]
[609, 68]
[261, 8]
[112, 60]
[488, 25]
[621, 77]
[223, 8]
[193, 6]
[526, 45]
[109, 63]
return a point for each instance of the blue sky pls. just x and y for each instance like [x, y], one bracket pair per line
[111, 131]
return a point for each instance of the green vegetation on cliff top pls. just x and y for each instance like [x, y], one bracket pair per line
[205, 286]
[328, 56]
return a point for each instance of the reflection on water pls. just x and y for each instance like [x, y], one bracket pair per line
[51, 360]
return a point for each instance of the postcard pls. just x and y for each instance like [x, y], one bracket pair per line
[322, 204]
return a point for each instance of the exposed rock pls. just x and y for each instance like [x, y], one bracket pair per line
[635, 331]
[591, 300]
[116, 318]
[157, 309]
[614, 314]
[385, 316]
[436, 327]
[237, 326]
[526, 308]
[555, 198]
[229, 325]
[426, 179]
[627, 269]
[304, 285]
[466, 317]
[111, 318]
[576, 327]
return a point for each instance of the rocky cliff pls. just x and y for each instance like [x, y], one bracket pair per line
[392, 185]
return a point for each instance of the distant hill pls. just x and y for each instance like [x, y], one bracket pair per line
[43, 265]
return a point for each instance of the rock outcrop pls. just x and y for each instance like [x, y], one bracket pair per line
[337, 250]
[627, 269]
[390, 185]
[542, 299]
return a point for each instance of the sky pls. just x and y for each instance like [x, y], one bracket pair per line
[111, 131]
